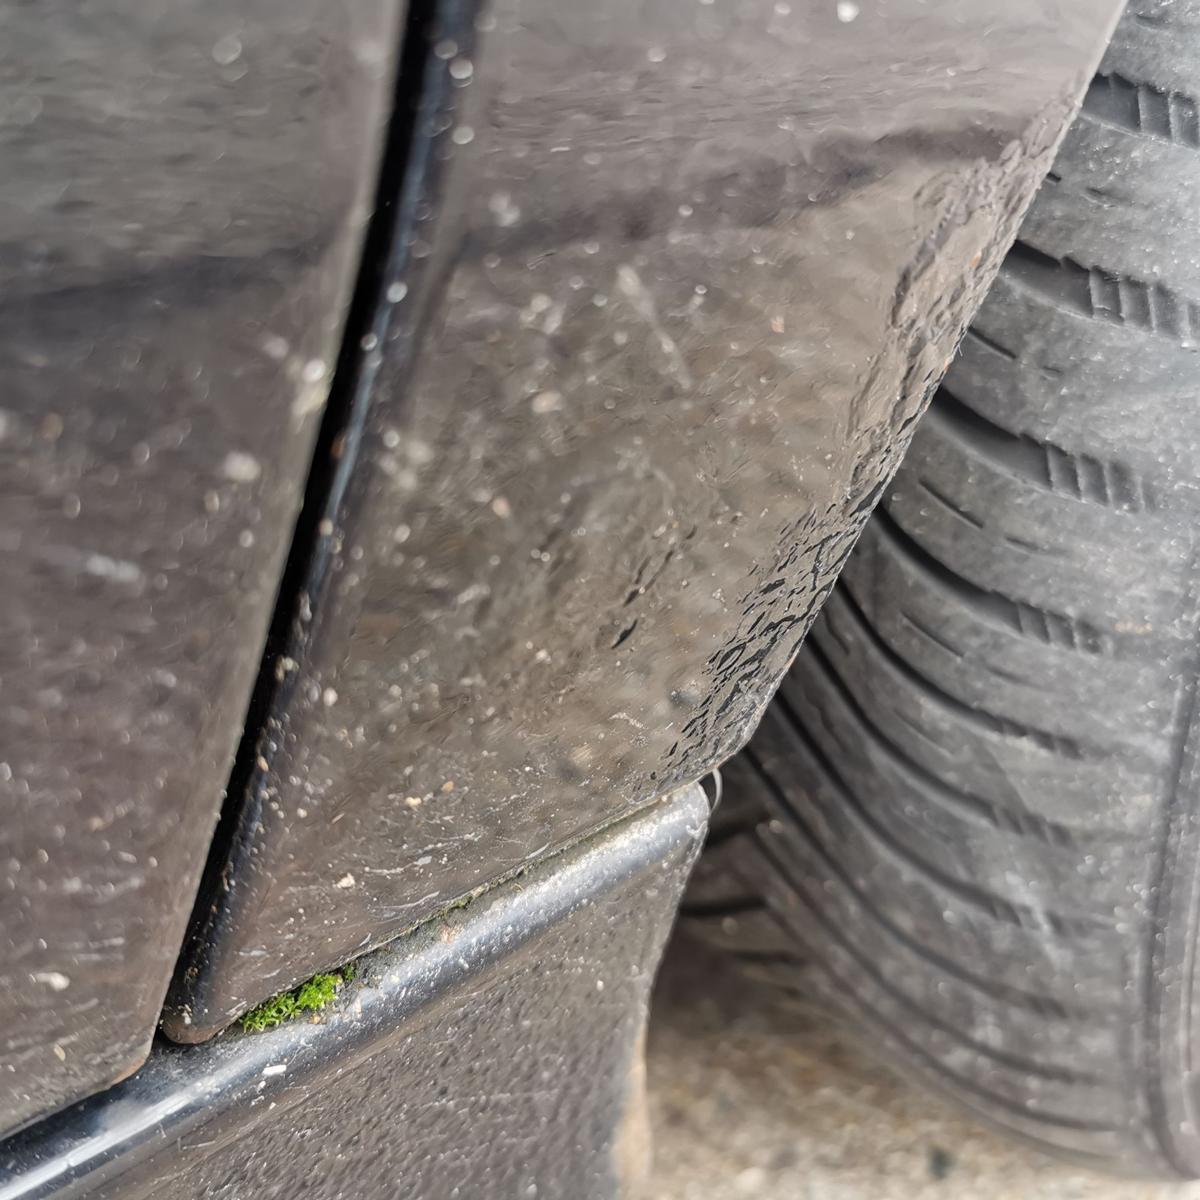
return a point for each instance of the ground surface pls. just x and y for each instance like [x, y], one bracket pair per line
[750, 1098]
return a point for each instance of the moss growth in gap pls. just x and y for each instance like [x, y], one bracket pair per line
[311, 996]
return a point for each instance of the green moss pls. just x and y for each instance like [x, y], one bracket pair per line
[317, 992]
[311, 996]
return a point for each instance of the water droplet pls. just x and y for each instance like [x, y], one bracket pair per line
[227, 50]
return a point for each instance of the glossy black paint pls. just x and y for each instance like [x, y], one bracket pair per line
[400, 1090]
[678, 279]
[182, 191]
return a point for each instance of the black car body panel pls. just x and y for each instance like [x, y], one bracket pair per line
[400, 1091]
[669, 285]
[182, 192]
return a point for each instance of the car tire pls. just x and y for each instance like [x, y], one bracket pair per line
[970, 817]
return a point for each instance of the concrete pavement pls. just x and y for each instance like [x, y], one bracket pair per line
[750, 1097]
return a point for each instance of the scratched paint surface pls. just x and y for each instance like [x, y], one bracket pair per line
[179, 213]
[690, 274]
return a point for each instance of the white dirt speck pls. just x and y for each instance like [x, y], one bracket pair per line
[241, 467]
